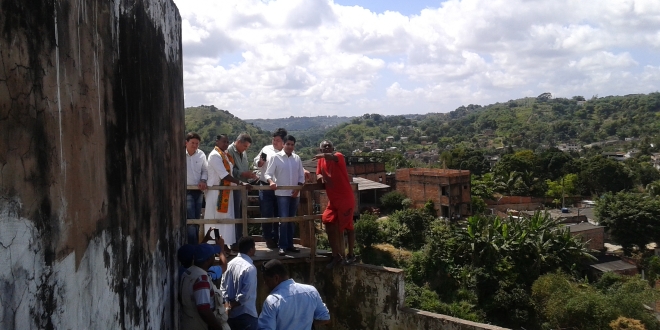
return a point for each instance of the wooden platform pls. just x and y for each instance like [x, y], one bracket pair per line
[265, 254]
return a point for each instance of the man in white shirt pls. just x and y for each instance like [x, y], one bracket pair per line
[267, 200]
[197, 174]
[286, 169]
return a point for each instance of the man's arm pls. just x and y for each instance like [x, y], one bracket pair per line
[209, 318]
[248, 285]
[205, 174]
[217, 165]
[321, 313]
[258, 163]
[268, 317]
[269, 174]
[327, 156]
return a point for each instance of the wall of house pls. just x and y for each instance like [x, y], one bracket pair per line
[91, 181]
[368, 297]
[596, 237]
[420, 185]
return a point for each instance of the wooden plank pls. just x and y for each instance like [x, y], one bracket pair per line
[306, 187]
[312, 235]
[254, 220]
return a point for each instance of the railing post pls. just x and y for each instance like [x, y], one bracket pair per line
[244, 204]
[312, 235]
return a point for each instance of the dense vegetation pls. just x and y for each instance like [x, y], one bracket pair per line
[522, 273]
[526, 123]
[209, 121]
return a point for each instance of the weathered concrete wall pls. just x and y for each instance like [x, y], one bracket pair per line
[370, 298]
[91, 182]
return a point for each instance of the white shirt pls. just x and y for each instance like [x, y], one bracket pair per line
[285, 170]
[270, 152]
[197, 167]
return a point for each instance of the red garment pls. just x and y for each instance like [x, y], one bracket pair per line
[339, 190]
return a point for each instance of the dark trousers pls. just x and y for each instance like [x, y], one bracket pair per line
[238, 214]
[268, 206]
[194, 200]
[243, 322]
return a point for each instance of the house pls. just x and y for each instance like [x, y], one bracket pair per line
[569, 147]
[404, 139]
[655, 161]
[581, 103]
[389, 139]
[610, 263]
[618, 156]
[448, 189]
[592, 235]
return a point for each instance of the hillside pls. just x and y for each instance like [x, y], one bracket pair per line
[527, 123]
[294, 124]
[209, 121]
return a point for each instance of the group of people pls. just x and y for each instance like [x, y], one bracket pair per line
[232, 306]
[278, 166]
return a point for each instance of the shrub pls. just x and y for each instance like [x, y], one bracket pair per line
[392, 201]
[407, 203]
[367, 231]
[429, 207]
[407, 228]
[623, 323]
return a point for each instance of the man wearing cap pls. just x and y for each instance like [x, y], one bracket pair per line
[290, 305]
[239, 287]
[201, 301]
[186, 255]
[338, 215]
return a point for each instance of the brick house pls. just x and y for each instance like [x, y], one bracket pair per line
[448, 189]
[592, 234]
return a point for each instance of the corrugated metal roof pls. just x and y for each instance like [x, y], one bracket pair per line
[614, 266]
[366, 184]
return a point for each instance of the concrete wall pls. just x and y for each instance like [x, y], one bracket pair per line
[91, 177]
[369, 297]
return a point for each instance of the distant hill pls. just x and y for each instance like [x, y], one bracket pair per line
[526, 123]
[299, 123]
[209, 121]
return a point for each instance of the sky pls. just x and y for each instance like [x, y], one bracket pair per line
[281, 58]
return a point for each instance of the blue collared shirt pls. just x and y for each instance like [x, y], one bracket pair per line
[239, 283]
[292, 306]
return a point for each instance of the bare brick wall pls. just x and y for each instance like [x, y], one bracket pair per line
[450, 188]
[594, 236]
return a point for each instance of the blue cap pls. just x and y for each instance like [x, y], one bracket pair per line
[185, 254]
[205, 251]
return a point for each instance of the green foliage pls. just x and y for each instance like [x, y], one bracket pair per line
[599, 175]
[562, 303]
[407, 228]
[632, 219]
[478, 205]
[429, 207]
[209, 121]
[425, 299]
[367, 231]
[392, 201]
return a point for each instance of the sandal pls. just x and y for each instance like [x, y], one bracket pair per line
[351, 258]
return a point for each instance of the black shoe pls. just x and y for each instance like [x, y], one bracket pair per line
[336, 260]
[282, 252]
[271, 244]
[292, 249]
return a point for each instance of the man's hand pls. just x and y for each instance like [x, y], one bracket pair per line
[319, 156]
[247, 186]
[308, 176]
[261, 162]
[249, 175]
[319, 178]
[202, 185]
[273, 185]
[295, 193]
[219, 241]
[207, 237]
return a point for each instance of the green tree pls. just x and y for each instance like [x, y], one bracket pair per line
[599, 175]
[632, 219]
[563, 187]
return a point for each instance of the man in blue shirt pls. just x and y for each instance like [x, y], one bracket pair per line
[290, 305]
[239, 287]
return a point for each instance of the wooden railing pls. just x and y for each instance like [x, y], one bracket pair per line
[306, 221]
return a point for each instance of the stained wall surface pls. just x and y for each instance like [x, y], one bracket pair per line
[91, 182]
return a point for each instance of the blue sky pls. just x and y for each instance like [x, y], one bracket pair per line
[277, 58]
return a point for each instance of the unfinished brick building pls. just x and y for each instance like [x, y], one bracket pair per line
[448, 189]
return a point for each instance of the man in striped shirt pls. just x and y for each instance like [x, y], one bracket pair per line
[198, 294]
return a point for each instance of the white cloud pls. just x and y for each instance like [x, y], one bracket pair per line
[298, 57]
